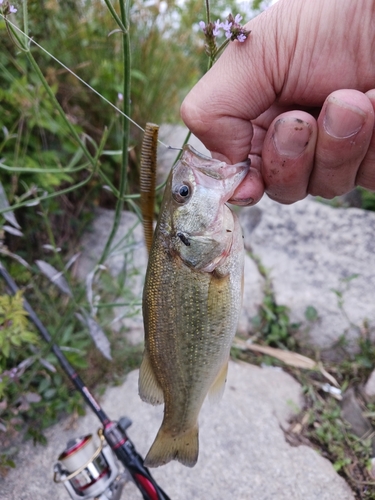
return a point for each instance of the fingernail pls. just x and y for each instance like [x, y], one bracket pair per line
[291, 136]
[342, 119]
[242, 202]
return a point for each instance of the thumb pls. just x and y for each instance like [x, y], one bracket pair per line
[238, 88]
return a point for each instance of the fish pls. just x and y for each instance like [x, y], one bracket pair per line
[192, 299]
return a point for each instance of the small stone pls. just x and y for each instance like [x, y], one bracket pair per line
[372, 468]
[352, 412]
[370, 385]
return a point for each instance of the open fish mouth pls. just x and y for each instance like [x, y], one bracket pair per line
[229, 176]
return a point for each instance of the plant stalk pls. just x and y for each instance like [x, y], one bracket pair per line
[124, 7]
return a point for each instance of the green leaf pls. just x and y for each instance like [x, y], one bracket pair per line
[311, 314]
[6, 349]
[16, 340]
[46, 382]
[49, 393]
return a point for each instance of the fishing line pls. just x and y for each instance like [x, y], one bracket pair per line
[79, 78]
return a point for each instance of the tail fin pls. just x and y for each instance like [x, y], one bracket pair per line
[165, 448]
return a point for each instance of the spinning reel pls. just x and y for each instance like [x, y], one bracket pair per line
[90, 472]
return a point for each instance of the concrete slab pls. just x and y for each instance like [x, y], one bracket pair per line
[243, 453]
[309, 248]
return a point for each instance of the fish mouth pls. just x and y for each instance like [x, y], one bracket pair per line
[215, 174]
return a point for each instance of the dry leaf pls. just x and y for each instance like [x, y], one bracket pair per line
[8, 216]
[97, 334]
[288, 357]
[12, 230]
[32, 397]
[47, 365]
[56, 277]
[328, 376]
[72, 260]
[8, 253]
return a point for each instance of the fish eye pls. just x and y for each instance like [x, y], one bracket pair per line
[181, 193]
[184, 191]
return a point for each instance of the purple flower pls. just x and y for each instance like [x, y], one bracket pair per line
[234, 30]
[226, 26]
[217, 26]
[7, 8]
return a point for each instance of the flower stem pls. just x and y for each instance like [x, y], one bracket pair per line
[124, 8]
[221, 48]
[115, 16]
[25, 20]
[208, 10]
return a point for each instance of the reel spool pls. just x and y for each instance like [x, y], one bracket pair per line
[88, 472]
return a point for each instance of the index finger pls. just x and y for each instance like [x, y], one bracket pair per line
[237, 89]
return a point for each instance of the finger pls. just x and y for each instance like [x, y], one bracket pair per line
[251, 188]
[366, 172]
[237, 89]
[345, 128]
[288, 156]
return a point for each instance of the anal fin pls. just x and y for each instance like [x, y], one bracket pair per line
[148, 387]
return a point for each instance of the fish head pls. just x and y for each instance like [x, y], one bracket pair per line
[200, 223]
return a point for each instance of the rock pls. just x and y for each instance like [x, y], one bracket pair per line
[252, 296]
[243, 452]
[352, 412]
[370, 386]
[310, 250]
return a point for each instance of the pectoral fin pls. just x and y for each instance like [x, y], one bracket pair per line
[148, 387]
[217, 388]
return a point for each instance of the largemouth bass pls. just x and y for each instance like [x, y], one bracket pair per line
[191, 300]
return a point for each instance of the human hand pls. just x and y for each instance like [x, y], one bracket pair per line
[298, 98]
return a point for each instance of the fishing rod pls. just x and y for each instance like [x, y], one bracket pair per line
[87, 472]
